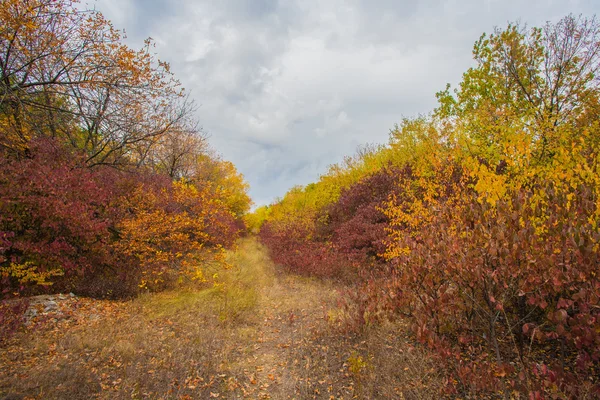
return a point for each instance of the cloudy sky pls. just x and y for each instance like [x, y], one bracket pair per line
[287, 87]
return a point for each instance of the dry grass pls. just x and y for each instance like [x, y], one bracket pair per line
[258, 334]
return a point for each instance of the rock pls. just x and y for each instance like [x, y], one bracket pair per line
[29, 316]
[72, 294]
[50, 305]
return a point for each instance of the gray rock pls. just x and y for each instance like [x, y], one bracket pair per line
[31, 313]
[50, 306]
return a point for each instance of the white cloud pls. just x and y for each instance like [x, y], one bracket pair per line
[288, 87]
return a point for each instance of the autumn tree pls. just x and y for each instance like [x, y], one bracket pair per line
[171, 233]
[530, 80]
[178, 154]
[255, 220]
[527, 149]
[65, 73]
[224, 179]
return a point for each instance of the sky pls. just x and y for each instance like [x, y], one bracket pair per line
[287, 87]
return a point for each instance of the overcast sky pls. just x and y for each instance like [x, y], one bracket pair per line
[288, 87]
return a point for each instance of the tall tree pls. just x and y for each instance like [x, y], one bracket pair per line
[538, 81]
[64, 72]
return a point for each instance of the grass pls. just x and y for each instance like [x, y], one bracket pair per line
[257, 333]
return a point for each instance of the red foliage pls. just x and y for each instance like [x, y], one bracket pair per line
[59, 220]
[476, 274]
[12, 316]
[355, 224]
[292, 248]
[349, 234]
[224, 228]
[54, 213]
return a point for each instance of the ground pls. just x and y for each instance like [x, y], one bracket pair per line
[259, 334]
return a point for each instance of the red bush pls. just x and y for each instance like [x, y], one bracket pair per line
[349, 235]
[292, 248]
[60, 221]
[484, 281]
[355, 224]
[54, 215]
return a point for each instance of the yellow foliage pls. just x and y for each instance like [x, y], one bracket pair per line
[225, 181]
[28, 272]
[171, 242]
[256, 219]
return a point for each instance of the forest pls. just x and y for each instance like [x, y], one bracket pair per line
[460, 259]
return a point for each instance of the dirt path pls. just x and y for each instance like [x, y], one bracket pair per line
[291, 314]
[294, 315]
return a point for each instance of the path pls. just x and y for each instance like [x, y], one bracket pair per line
[288, 359]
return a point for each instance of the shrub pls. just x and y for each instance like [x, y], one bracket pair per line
[54, 218]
